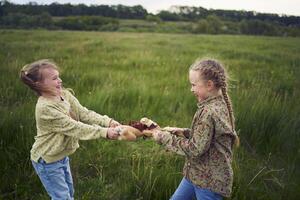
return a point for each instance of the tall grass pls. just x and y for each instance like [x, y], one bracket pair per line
[128, 76]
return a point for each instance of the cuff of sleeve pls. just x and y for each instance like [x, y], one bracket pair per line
[107, 120]
[103, 132]
[186, 132]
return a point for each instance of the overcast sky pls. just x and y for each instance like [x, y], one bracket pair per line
[289, 7]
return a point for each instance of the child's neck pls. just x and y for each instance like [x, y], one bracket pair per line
[52, 97]
[210, 94]
[214, 93]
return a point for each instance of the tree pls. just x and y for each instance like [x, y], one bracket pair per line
[258, 27]
[168, 16]
[214, 24]
[153, 18]
[201, 27]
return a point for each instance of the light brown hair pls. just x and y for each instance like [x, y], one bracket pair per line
[31, 75]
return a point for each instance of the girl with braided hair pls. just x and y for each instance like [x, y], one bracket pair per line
[208, 144]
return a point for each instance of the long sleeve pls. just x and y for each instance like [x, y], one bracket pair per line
[208, 150]
[194, 146]
[53, 120]
[85, 115]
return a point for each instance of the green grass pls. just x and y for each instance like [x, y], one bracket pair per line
[131, 75]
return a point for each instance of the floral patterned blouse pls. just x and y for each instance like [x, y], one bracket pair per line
[208, 149]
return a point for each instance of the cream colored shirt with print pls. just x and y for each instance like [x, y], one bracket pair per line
[58, 133]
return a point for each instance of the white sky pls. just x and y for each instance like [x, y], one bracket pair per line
[289, 7]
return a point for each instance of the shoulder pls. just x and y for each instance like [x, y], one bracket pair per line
[220, 116]
[216, 110]
[45, 108]
[205, 114]
[43, 104]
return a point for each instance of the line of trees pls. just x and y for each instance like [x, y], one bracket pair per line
[107, 18]
[62, 10]
[213, 24]
[186, 13]
[44, 20]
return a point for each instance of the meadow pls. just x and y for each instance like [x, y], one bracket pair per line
[131, 75]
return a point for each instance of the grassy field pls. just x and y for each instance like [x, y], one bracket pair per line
[130, 75]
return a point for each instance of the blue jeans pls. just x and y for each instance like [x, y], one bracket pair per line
[188, 191]
[56, 178]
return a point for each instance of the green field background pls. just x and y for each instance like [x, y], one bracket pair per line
[133, 75]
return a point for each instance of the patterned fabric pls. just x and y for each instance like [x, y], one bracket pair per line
[61, 124]
[208, 149]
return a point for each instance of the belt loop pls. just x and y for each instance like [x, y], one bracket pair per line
[41, 160]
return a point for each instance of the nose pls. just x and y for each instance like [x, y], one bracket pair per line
[59, 80]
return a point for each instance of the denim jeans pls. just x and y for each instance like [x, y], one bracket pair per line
[188, 191]
[56, 178]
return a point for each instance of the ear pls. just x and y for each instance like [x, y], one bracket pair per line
[210, 85]
[38, 83]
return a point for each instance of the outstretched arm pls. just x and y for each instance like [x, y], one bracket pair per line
[181, 132]
[53, 120]
[196, 145]
[88, 116]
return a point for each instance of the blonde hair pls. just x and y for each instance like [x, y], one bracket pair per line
[213, 70]
[31, 75]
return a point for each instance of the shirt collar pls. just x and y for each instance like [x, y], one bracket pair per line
[208, 100]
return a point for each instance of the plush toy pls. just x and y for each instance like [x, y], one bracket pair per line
[128, 133]
[136, 129]
[145, 125]
[145, 128]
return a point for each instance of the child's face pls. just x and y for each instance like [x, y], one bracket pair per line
[51, 80]
[199, 87]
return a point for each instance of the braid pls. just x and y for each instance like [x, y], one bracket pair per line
[229, 106]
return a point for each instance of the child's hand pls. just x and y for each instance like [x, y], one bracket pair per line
[113, 133]
[128, 133]
[175, 131]
[148, 133]
[172, 129]
[114, 123]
